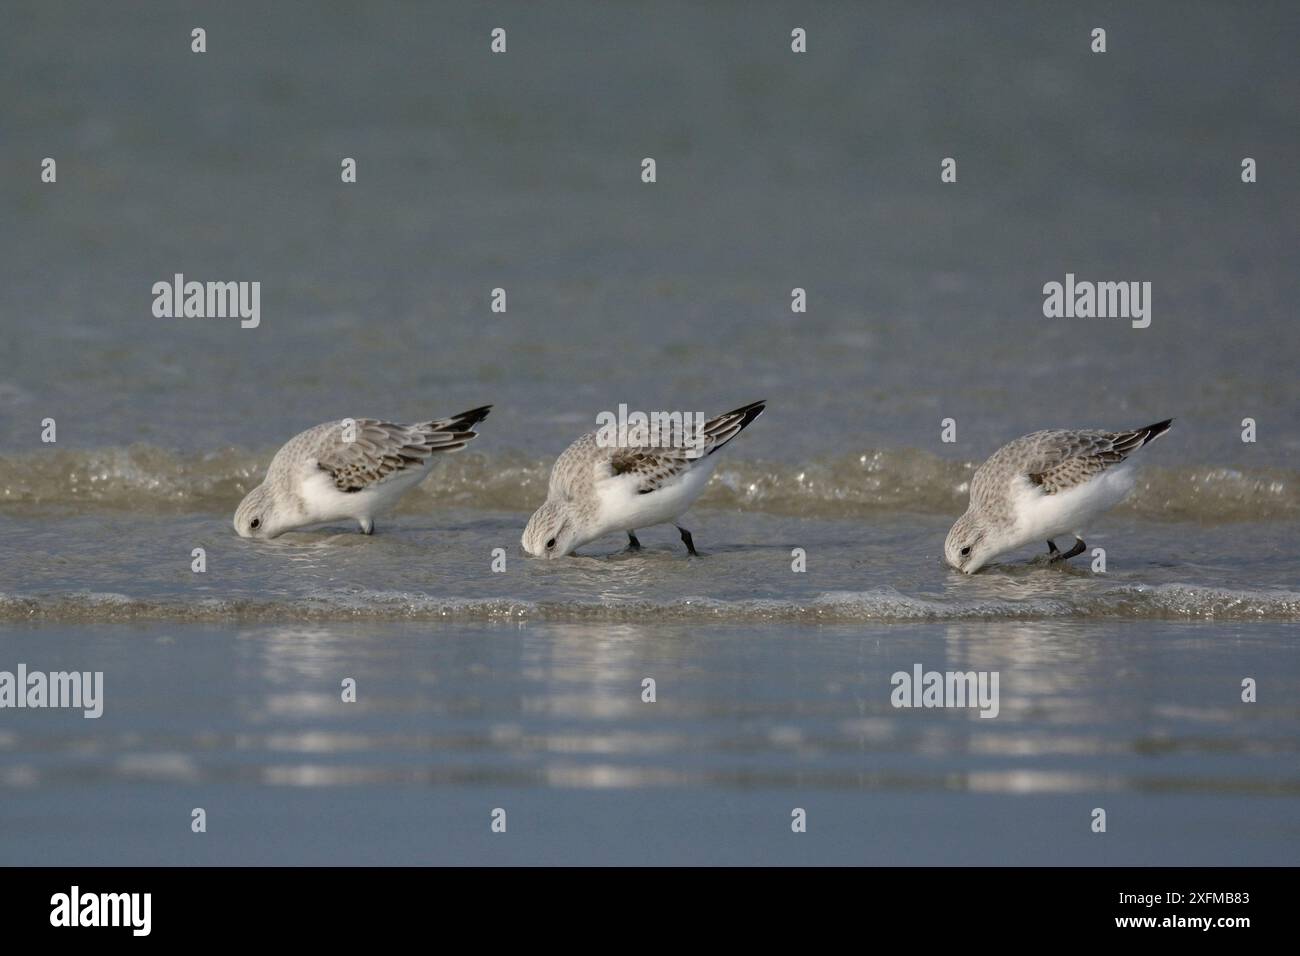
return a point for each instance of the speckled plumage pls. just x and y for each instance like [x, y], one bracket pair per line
[318, 476]
[595, 490]
[584, 462]
[1054, 459]
[1077, 469]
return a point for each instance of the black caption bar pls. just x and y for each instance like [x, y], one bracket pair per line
[373, 905]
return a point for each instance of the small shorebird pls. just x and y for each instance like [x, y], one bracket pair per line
[348, 469]
[598, 489]
[1042, 486]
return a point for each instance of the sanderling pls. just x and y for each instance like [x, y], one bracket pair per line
[1042, 486]
[596, 490]
[348, 469]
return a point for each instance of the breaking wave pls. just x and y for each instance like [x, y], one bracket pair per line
[884, 605]
[147, 478]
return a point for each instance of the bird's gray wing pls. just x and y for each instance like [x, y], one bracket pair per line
[650, 468]
[653, 468]
[381, 450]
[1061, 460]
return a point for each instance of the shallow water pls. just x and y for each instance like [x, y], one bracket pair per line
[125, 567]
[546, 721]
[520, 688]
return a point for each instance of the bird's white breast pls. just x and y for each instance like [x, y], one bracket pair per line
[1040, 517]
[622, 508]
[325, 502]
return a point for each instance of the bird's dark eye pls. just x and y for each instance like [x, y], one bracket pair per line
[255, 523]
[550, 544]
[966, 550]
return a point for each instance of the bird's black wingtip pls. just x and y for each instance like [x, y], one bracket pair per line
[1155, 431]
[751, 411]
[473, 416]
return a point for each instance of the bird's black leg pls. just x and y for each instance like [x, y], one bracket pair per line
[1052, 549]
[632, 543]
[1079, 548]
[686, 539]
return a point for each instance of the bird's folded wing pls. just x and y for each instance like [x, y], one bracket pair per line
[648, 469]
[381, 450]
[1069, 459]
[679, 446]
